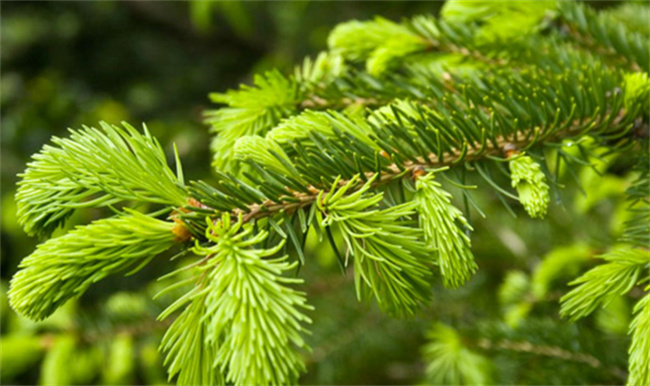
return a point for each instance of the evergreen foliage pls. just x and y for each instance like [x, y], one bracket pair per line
[441, 222]
[640, 331]
[530, 182]
[355, 146]
[390, 258]
[64, 267]
[450, 362]
[94, 168]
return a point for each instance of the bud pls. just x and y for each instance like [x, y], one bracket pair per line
[530, 182]
[441, 222]
[637, 90]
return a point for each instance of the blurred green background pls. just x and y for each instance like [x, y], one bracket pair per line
[65, 64]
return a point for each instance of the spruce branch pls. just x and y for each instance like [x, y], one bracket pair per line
[488, 86]
[477, 32]
[251, 318]
[390, 260]
[441, 138]
[64, 267]
[94, 168]
[639, 365]
[623, 270]
[602, 32]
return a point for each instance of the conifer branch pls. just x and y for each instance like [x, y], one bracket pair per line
[441, 223]
[603, 33]
[640, 331]
[551, 351]
[390, 106]
[95, 168]
[390, 260]
[249, 319]
[623, 270]
[499, 146]
[64, 267]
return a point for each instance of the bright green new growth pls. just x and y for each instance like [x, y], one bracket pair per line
[637, 87]
[95, 168]
[298, 127]
[529, 180]
[499, 20]
[640, 347]
[265, 152]
[441, 223]
[626, 267]
[390, 260]
[64, 267]
[248, 318]
[188, 356]
[254, 315]
[253, 110]
[623, 270]
[325, 68]
[449, 362]
[380, 41]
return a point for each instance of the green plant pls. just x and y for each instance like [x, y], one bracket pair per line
[356, 146]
